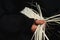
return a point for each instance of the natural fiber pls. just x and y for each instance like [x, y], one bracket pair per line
[39, 34]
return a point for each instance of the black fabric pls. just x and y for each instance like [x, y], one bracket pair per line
[14, 25]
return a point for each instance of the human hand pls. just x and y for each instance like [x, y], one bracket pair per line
[37, 22]
[40, 22]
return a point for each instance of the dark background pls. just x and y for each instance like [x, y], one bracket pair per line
[9, 9]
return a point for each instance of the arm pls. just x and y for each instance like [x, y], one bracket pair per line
[25, 22]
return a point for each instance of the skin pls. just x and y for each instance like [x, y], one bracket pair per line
[38, 22]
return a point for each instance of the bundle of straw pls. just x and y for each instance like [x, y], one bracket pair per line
[39, 34]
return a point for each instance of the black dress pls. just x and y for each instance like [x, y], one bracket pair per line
[14, 25]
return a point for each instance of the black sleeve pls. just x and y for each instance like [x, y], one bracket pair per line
[24, 22]
[10, 18]
[12, 23]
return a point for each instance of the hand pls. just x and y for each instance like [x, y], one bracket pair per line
[40, 22]
[34, 26]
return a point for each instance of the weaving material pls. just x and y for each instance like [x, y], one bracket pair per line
[39, 33]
